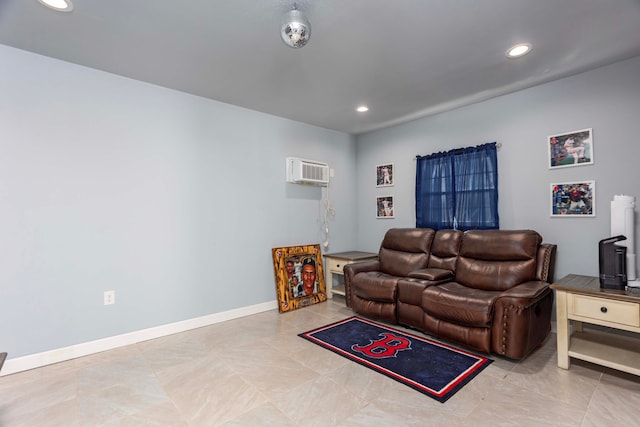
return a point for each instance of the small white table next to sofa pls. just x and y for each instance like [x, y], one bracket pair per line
[579, 300]
[335, 263]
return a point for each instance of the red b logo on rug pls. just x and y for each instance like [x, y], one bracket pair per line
[388, 346]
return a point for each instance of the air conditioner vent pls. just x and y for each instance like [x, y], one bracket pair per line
[301, 171]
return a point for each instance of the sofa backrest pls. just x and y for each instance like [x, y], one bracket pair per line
[497, 259]
[405, 249]
[445, 249]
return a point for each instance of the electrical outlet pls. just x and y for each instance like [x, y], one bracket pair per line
[109, 297]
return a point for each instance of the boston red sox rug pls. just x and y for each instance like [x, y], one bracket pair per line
[428, 366]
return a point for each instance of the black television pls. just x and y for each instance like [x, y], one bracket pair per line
[613, 263]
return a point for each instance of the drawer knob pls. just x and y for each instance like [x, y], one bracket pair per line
[338, 265]
[603, 309]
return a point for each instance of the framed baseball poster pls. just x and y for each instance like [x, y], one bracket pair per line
[573, 199]
[299, 276]
[570, 149]
[384, 175]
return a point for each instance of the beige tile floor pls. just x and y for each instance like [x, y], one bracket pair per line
[256, 371]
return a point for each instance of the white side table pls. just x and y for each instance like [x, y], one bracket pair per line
[335, 264]
[579, 300]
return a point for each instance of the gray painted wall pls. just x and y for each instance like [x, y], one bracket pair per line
[606, 99]
[175, 201]
[172, 200]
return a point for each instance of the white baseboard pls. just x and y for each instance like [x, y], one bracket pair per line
[37, 360]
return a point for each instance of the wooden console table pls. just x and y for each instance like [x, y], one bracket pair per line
[335, 264]
[579, 300]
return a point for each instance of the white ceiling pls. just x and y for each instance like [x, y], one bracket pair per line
[404, 58]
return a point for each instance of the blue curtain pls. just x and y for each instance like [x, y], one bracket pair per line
[434, 192]
[458, 189]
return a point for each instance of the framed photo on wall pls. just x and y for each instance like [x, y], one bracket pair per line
[299, 276]
[384, 207]
[570, 149]
[384, 175]
[573, 199]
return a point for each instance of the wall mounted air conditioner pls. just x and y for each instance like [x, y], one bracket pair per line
[301, 171]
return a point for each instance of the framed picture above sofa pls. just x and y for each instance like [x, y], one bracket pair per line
[384, 207]
[570, 149]
[573, 199]
[384, 175]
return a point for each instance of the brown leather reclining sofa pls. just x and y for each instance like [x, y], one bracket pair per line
[485, 289]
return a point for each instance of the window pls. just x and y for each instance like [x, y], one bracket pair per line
[458, 189]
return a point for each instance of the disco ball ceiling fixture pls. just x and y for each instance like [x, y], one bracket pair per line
[295, 29]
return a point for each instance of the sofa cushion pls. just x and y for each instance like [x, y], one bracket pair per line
[408, 239]
[432, 274]
[497, 260]
[399, 263]
[460, 304]
[500, 245]
[494, 276]
[405, 249]
[376, 286]
[410, 291]
[445, 249]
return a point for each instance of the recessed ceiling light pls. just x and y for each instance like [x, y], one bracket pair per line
[519, 50]
[59, 5]
[362, 109]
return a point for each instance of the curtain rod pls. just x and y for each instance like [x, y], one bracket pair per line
[498, 146]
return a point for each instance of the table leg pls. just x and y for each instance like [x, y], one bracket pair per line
[329, 284]
[562, 323]
[576, 326]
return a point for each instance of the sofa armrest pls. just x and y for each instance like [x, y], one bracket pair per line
[526, 291]
[521, 319]
[546, 262]
[432, 274]
[350, 270]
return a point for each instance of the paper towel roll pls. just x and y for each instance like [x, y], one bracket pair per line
[622, 223]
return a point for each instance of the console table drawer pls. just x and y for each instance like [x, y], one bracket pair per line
[608, 310]
[336, 265]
